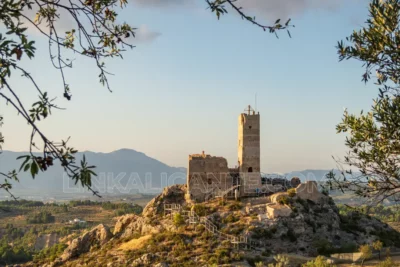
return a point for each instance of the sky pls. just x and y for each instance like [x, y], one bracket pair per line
[181, 89]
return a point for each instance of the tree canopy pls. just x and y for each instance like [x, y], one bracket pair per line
[373, 138]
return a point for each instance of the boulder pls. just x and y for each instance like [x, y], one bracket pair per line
[172, 194]
[309, 191]
[129, 224]
[144, 260]
[98, 236]
[276, 210]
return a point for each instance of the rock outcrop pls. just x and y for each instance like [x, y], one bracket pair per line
[309, 190]
[278, 210]
[144, 260]
[98, 236]
[46, 241]
[172, 194]
[307, 224]
[128, 225]
[312, 228]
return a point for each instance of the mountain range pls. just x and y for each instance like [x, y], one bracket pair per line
[123, 171]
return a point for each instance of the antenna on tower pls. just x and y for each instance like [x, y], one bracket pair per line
[255, 103]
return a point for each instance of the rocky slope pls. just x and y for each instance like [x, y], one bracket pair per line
[153, 239]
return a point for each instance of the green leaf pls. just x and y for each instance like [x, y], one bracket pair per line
[27, 167]
[34, 169]
[25, 161]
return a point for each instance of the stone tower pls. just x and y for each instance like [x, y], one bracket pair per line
[249, 141]
[249, 151]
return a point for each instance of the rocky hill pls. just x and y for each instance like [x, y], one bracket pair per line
[238, 233]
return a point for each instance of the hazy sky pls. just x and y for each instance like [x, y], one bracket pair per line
[180, 91]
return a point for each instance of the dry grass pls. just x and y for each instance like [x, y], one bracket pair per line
[135, 243]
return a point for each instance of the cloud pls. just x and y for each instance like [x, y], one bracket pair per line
[273, 9]
[267, 9]
[164, 3]
[144, 35]
[64, 23]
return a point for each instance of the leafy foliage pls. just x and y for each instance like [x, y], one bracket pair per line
[284, 200]
[320, 261]
[122, 208]
[291, 192]
[378, 245]
[178, 219]
[219, 8]
[10, 254]
[200, 209]
[280, 261]
[50, 253]
[41, 217]
[326, 248]
[104, 38]
[388, 262]
[366, 253]
[373, 139]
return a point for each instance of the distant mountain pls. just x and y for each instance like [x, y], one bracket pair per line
[122, 171]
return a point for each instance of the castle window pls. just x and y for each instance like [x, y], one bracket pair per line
[250, 127]
[250, 169]
[209, 181]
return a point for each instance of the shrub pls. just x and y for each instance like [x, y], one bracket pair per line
[281, 260]
[235, 206]
[200, 209]
[13, 254]
[378, 245]
[388, 262]
[347, 248]
[324, 247]
[260, 232]
[366, 253]
[41, 217]
[291, 192]
[178, 220]
[284, 200]
[318, 262]
[200, 228]
[253, 261]
[230, 219]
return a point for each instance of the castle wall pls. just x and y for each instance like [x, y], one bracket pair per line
[250, 181]
[207, 177]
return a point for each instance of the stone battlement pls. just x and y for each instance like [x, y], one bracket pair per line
[202, 157]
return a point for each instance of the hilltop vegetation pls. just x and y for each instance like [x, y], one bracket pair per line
[159, 239]
[33, 230]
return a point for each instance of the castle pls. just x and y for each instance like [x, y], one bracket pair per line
[210, 176]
